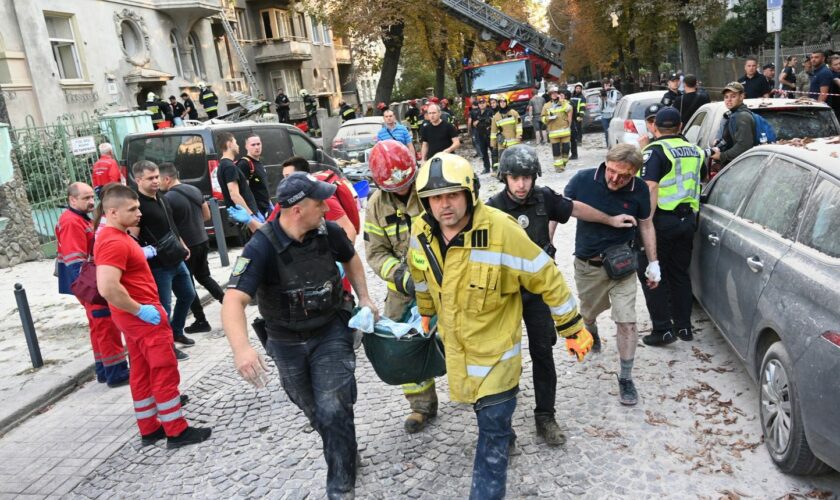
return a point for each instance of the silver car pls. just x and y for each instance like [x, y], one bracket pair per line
[766, 268]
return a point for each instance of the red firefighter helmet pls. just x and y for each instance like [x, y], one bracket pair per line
[444, 101]
[381, 106]
[434, 100]
[391, 165]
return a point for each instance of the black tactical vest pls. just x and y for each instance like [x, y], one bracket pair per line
[532, 217]
[309, 292]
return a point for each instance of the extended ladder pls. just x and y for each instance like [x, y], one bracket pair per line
[486, 17]
[243, 61]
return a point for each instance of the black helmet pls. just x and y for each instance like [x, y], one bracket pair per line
[520, 159]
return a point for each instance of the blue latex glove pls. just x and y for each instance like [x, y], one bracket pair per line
[340, 269]
[239, 214]
[259, 217]
[149, 251]
[149, 314]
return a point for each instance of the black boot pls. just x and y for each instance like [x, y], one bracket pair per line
[659, 338]
[191, 435]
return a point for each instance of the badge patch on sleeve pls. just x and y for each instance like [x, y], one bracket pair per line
[240, 266]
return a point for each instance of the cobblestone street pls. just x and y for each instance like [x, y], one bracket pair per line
[694, 434]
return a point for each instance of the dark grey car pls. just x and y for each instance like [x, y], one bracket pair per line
[766, 268]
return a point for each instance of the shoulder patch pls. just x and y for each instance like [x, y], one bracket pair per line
[646, 156]
[480, 238]
[240, 266]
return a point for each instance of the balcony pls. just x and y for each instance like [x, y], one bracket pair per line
[235, 85]
[342, 54]
[192, 9]
[285, 49]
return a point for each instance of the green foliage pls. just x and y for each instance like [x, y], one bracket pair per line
[417, 75]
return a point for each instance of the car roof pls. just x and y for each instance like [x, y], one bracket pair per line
[762, 103]
[367, 120]
[823, 153]
[642, 96]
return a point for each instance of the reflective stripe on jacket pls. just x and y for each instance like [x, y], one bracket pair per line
[386, 232]
[479, 303]
[556, 119]
[682, 183]
[509, 125]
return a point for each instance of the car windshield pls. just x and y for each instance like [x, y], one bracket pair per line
[499, 77]
[789, 123]
[637, 109]
[185, 151]
[358, 137]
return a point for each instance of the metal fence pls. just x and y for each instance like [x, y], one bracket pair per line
[50, 157]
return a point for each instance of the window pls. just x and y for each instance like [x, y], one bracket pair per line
[131, 39]
[301, 25]
[176, 53]
[800, 122]
[733, 183]
[288, 80]
[692, 132]
[821, 223]
[276, 24]
[267, 24]
[284, 24]
[185, 151]
[775, 200]
[63, 42]
[316, 30]
[301, 146]
[195, 54]
[327, 35]
[242, 31]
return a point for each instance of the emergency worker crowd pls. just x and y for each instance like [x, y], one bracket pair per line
[474, 270]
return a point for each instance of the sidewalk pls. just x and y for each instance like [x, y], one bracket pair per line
[62, 330]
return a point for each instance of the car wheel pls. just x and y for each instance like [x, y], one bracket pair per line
[781, 416]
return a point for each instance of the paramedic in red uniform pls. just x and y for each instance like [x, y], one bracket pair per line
[74, 233]
[106, 170]
[125, 280]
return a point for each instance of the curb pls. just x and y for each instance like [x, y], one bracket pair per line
[78, 372]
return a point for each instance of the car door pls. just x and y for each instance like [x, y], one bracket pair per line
[276, 150]
[692, 130]
[753, 243]
[721, 200]
[616, 128]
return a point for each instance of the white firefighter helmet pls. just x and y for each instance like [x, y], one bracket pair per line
[304, 92]
[553, 88]
[151, 96]
[202, 85]
[494, 97]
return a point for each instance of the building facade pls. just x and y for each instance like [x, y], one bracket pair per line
[60, 57]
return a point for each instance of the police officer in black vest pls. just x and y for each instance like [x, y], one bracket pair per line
[290, 264]
[538, 209]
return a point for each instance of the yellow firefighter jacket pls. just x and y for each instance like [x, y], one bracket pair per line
[558, 120]
[509, 125]
[479, 303]
[387, 230]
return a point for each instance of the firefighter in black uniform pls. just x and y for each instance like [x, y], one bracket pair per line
[413, 118]
[578, 110]
[209, 100]
[282, 103]
[152, 105]
[347, 112]
[310, 105]
[290, 265]
[538, 209]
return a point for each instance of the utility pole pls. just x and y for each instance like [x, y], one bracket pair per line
[774, 25]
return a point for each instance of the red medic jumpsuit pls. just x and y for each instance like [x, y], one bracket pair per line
[105, 171]
[154, 370]
[75, 242]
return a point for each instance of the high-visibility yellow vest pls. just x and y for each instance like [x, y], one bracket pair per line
[682, 183]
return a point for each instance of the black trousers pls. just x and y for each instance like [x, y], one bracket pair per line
[482, 140]
[577, 136]
[200, 270]
[669, 304]
[541, 338]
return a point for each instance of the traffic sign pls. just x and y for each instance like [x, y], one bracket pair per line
[774, 20]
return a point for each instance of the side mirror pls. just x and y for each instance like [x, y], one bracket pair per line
[319, 155]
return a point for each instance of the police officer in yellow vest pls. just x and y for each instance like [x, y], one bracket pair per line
[671, 170]
[469, 263]
[390, 212]
[152, 105]
[557, 116]
[505, 129]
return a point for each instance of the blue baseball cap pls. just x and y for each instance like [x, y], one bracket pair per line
[668, 117]
[300, 185]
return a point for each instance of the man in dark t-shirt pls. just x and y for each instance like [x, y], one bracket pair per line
[755, 84]
[233, 182]
[189, 107]
[437, 135]
[255, 173]
[691, 100]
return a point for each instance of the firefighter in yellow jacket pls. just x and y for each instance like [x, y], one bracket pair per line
[505, 129]
[557, 116]
[390, 212]
[469, 262]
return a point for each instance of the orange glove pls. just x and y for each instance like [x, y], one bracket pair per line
[426, 322]
[579, 344]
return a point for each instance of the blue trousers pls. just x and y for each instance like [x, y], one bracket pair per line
[318, 375]
[495, 432]
[177, 280]
[605, 122]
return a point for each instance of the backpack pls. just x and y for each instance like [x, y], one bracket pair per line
[762, 126]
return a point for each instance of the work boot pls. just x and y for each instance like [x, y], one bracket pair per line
[150, 439]
[659, 338]
[184, 340]
[184, 399]
[191, 435]
[118, 383]
[415, 422]
[548, 429]
[627, 394]
[573, 157]
[685, 334]
[181, 355]
[596, 340]
[198, 326]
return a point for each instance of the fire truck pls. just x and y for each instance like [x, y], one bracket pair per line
[530, 57]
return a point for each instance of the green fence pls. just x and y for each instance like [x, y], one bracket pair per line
[50, 158]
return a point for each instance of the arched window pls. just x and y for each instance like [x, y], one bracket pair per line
[176, 53]
[195, 54]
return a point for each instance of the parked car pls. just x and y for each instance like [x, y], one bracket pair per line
[356, 136]
[193, 151]
[592, 117]
[790, 118]
[628, 122]
[766, 263]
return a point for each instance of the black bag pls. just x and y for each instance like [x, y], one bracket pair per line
[619, 261]
[170, 250]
